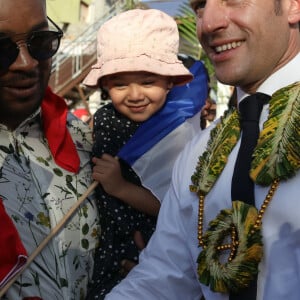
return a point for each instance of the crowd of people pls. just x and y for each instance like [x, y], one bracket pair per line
[196, 211]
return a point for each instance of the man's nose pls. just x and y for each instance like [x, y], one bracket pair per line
[24, 60]
[214, 17]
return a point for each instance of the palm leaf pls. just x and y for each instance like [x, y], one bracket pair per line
[212, 162]
[189, 43]
[277, 155]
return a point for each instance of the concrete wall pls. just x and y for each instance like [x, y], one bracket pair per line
[68, 11]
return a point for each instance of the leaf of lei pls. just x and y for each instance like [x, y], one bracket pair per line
[213, 160]
[236, 273]
[277, 154]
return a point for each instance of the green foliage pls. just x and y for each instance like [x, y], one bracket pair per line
[189, 43]
[277, 153]
[130, 4]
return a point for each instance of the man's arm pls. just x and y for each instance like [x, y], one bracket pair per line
[165, 269]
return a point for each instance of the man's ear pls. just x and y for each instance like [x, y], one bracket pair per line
[294, 12]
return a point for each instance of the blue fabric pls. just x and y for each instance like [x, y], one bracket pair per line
[182, 103]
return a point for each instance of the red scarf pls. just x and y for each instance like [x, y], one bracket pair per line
[54, 115]
[13, 255]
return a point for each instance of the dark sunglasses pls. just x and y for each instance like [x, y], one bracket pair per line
[41, 45]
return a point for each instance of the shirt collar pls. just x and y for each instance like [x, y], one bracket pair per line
[288, 74]
[22, 125]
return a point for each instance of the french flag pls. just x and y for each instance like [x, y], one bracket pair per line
[153, 149]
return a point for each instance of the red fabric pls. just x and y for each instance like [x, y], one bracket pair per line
[54, 114]
[80, 112]
[12, 252]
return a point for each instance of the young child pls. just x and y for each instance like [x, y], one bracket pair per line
[137, 66]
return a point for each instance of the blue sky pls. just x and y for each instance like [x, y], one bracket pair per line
[169, 7]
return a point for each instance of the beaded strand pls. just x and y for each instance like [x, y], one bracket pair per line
[233, 246]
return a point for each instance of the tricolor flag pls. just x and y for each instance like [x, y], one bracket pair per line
[152, 150]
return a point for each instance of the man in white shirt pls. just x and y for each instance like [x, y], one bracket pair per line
[254, 46]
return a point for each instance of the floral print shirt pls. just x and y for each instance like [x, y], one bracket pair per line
[37, 193]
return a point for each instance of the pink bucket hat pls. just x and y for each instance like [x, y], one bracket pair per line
[138, 40]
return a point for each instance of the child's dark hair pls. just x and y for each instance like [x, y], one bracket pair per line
[104, 94]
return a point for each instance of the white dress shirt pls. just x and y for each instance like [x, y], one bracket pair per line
[168, 265]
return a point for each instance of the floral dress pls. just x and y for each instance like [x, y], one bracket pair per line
[118, 220]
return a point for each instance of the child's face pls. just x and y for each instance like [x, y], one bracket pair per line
[137, 95]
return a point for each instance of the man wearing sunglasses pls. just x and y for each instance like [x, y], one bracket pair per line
[44, 164]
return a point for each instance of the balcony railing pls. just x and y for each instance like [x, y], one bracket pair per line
[75, 58]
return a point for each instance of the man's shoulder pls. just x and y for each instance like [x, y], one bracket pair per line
[194, 148]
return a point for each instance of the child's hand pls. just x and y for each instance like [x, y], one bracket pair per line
[107, 172]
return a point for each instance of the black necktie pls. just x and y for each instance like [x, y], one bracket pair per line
[242, 187]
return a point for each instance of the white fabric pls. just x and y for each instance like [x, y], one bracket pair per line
[164, 154]
[168, 268]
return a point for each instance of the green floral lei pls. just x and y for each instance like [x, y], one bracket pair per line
[276, 157]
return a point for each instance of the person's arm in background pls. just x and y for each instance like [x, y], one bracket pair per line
[107, 172]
